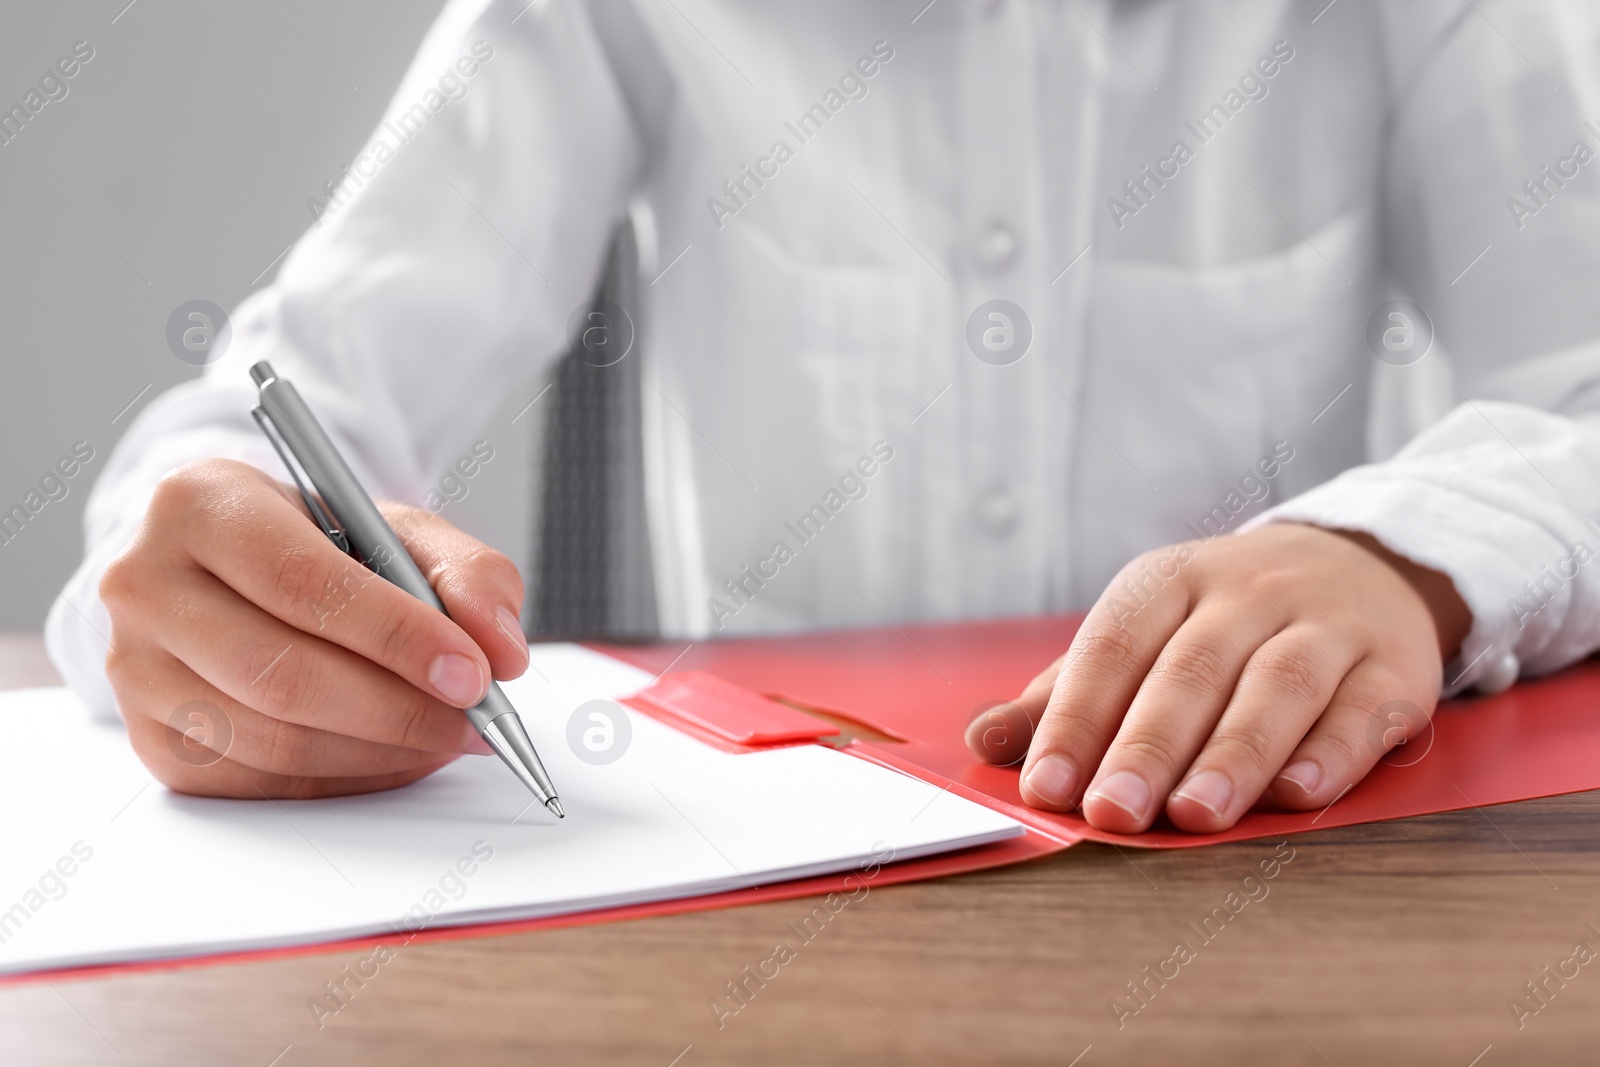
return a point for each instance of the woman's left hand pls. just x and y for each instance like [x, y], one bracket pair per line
[1283, 662]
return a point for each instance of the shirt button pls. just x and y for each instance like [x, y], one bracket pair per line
[1499, 674]
[997, 512]
[997, 246]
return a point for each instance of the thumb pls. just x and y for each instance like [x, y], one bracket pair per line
[1002, 730]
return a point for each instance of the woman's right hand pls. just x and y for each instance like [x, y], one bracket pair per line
[252, 658]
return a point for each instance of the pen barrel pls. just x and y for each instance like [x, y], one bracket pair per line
[372, 540]
[374, 543]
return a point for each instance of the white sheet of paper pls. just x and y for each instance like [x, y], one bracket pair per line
[156, 875]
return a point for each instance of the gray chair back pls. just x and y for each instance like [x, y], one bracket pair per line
[591, 572]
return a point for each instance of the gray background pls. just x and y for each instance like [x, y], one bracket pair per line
[181, 161]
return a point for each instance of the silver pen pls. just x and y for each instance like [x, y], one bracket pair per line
[352, 521]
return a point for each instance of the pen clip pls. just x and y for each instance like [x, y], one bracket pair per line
[268, 427]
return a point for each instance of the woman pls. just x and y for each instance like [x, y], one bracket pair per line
[1082, 280]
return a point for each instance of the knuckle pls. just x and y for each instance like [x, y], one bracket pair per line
[120, 583]
[1371, 734]
[1344, 749]
[1247, 744]
[416, 725]
[289, 686]
[180, 489]
[1151, 750]
[287, 747]
[1367, 724]
[1107, 646]
[1061, 726]
[1294, 674]
[1362, 695]
[405, 519]
[296, 576]
[395, 633]
[173, 774]
[182, 493]
[1197, 665]
[131, 688]
[119, 672]
[484, 567]
[113, 669]
[1172, 563]
[1389, 724]
[1278, 587]
[149, 744]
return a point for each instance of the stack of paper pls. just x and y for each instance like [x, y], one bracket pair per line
[102, 864]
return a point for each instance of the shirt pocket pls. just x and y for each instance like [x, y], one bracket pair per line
[1196, 374]
[815, 362]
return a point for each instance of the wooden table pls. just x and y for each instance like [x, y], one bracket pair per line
[1401, 942]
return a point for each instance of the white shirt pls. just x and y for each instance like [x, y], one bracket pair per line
[1195, 315]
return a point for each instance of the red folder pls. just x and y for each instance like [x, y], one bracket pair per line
[922, 685]
[917, 687]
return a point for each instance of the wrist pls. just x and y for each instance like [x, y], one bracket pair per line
[1452, 619]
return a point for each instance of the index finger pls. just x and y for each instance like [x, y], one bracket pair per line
[1110, 655]
[265, 547]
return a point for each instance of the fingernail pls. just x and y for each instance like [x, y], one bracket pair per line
[457, 679]
[1051, 779]
[474, 743]
[507, 624]
[1304, 774]
[1127, 791]
[1208, 789]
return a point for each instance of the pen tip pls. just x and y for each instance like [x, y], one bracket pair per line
[555, 805]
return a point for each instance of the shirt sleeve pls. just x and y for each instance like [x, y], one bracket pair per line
[450, 257]
[1492, 206]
